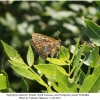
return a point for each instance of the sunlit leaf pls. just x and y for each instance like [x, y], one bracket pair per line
[56, 61]
[30, 56]
[3, 84]
[95, 57]
[90, 80]
[49, 69]
[24, 71]
[41, 60]
[64, 84]
[96, 86]
[64, 53]
[11, 52]
[77, 57]
[78, 68]
[7, 84]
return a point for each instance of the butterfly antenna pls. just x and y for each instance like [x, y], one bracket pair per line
[59, 37]
[58, 34]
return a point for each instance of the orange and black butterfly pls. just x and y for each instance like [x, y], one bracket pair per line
[45, 46]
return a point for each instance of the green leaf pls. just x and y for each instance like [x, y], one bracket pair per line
[26, 72]
[95, 57]
[3, 83]
[98, 2]
[90, 80]
[7, 81]
[74, 50]
[49, 69]
[59, 75]
[56, 61]
[76, 62]
[87, 53]
[96, 86]
[25, 87]
[18, 63]
[87, 48]
[64, 83]
[92, 57]
[30, 56]
[20, 67]
[78, 57]
[55, 86]
[41, 60]
[81, 77]
[8, 88]
[88, 59]
[12, 53]
[92, 31]
[62, 70]
[78, 68]
[64, 53]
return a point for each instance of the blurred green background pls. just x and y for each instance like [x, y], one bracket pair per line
[19, 19]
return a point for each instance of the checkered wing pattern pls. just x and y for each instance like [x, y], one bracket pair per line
[45, 46]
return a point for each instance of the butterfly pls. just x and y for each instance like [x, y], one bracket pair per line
[45, 45]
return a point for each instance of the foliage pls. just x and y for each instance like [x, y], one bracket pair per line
[73, 79]
[77, 67]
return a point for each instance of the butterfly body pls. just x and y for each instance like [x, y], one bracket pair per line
[45, 46]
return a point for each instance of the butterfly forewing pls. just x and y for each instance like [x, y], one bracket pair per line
[45, 45]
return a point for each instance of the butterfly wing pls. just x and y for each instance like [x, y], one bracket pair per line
[44, 45]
